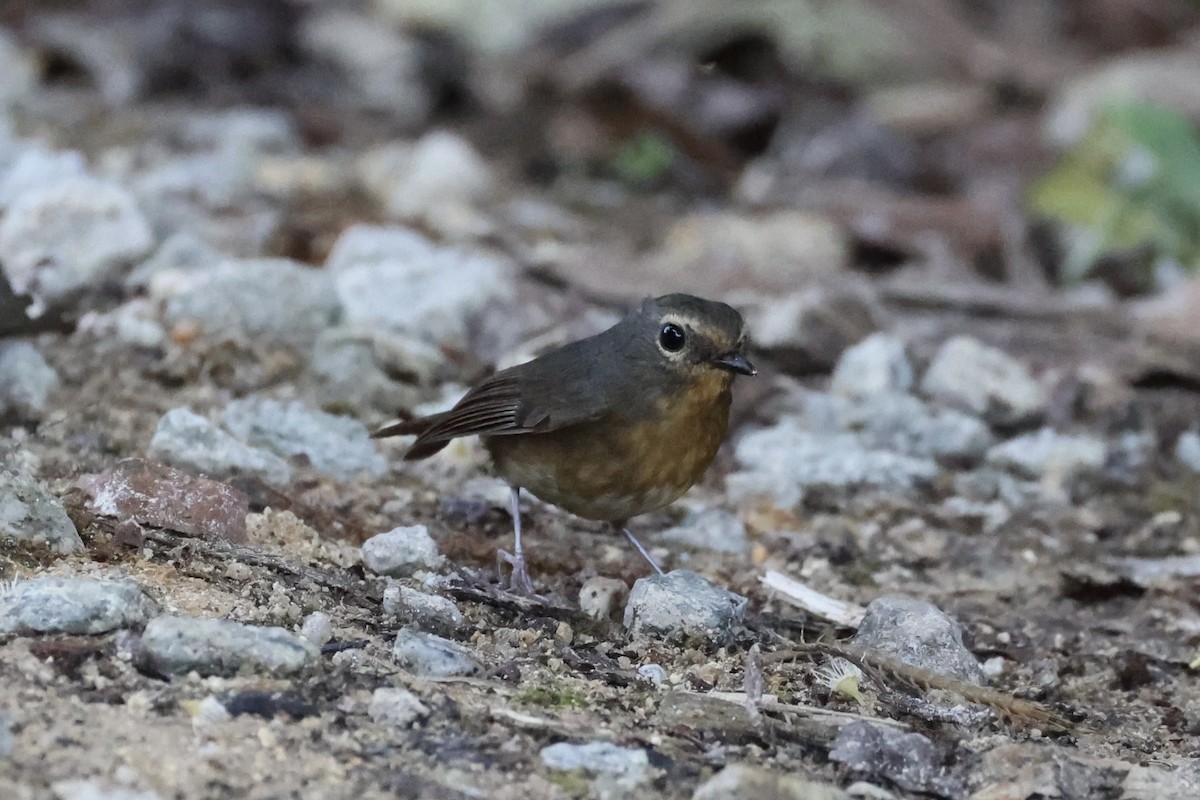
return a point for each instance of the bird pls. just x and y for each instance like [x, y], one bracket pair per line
[608, 427]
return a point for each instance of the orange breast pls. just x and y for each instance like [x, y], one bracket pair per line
[612, 469]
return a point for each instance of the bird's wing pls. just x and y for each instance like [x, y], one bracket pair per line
[504, 405]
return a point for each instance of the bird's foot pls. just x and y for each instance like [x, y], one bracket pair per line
[518, 579]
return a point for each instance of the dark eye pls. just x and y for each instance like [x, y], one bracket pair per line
[671, 337]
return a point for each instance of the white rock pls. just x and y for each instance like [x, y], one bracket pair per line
[397, 708]
[876, 365]
[985, 381]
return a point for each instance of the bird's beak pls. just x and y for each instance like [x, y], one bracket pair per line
[735, 362]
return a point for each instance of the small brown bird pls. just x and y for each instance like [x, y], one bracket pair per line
[608, 427]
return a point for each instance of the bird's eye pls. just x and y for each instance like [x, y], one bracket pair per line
[671, 338]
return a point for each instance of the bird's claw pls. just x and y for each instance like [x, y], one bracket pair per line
[518, 579]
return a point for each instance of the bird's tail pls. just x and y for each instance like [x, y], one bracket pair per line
[413, 427]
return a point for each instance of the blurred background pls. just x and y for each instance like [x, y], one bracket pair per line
[1038, 157]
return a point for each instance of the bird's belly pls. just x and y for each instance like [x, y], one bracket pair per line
[612, 471]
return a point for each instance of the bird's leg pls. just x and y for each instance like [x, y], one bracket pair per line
[638, 546]
[519, 578]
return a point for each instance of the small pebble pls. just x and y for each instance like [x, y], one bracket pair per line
[336, 446]
[29, 513]
[73, 605]
[429, 611]
[177, 645]
[985, 381]
[317, 628]
[432, 656]
[710, 529]
[398, 708]
[682, 605]
[629, 764]
[1187, 450]
[1045, 452]
[601, 597]
[187, 440]
[26, 381]
[95, 790]
[752, 782]
[401, 551]
[920, 634]
[654, 673]
[876, 365]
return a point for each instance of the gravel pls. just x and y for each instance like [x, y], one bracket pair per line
[177, 645]
[187, 440]
[601, 597]
[682, 606]
[401, 551]
[73, 605]
[29, 513]
[336, 446]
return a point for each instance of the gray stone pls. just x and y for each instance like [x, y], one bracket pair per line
[182, 251]
[317, 627]
[1045, 452]
[920, 634]
[382, 64]
[401, 551]
[682, 605]
[432, 656]
[336, 446]
[711, 529]
[354, 375]
[784, 461]
[176, 645]
[441, 174]
[752, 782]
[26, 380]
[73, 605]
[74, 233]
[876, 365]
[628, 766]
[397, 280]
[904, 424]
[8, 741]
[429, 611]
[187, 440]
[38, 166]
[20, 77]
[1187, 450]
[985, 381]
[271, 300]
[394, 707]
[907, 759]
[31, 514]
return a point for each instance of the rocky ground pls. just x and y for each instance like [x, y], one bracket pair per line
[951, 548]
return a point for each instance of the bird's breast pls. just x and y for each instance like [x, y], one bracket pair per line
[618, 467]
